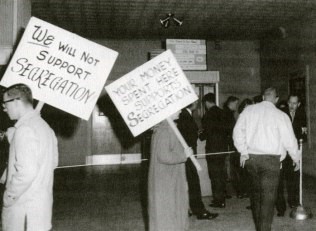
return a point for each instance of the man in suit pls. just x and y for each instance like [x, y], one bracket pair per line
[189, 131]
[298, 118]
[214, 131]
[33, 156]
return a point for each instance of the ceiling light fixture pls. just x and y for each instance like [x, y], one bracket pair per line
[165, 22]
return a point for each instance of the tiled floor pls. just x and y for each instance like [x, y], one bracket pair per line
[112, 198]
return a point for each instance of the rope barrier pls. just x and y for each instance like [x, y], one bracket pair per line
[136, 162]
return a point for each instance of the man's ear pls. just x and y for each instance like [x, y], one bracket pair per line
[276, 99]
[299, 103]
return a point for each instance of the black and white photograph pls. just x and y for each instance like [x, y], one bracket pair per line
[156, 115]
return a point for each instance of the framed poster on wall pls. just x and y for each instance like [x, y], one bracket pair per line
[190, 54]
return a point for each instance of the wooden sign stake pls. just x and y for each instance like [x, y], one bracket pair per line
[182, 141]
[39, 106]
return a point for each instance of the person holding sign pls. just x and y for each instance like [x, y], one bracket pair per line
[33, 156]
[167, 185]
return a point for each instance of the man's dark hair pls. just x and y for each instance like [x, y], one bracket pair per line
[243, 104]
[21, 91]
[257, 99]
[230, 99]
[294, 95]
[209, 97]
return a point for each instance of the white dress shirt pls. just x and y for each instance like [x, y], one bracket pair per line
[263, 129]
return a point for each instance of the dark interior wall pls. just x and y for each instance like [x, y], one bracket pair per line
[238, 63]
[279, 60]
[307, 58]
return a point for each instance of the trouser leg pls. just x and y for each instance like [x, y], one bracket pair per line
[216, 169]
[280, 201]
[255, 196]
[236, 173]
[195, 198]
[269, 184]
[264, 173]
[292, 181]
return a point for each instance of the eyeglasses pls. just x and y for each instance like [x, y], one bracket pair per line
[8, 101]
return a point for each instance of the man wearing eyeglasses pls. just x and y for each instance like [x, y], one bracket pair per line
[33, 156]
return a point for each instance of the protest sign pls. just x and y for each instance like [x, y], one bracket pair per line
[151, 93]
[62, 69]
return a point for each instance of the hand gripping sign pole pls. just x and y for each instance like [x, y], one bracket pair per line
[182, 141]
[301, 213]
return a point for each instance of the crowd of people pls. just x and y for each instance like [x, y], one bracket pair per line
[262, 139]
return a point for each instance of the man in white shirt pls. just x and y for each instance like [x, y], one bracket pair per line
[262, 135]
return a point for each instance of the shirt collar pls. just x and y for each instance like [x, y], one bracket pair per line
[25, 117]
[268, 103]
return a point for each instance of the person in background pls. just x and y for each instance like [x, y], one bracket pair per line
[168, 203]
[189, 131]
[282, 105]
[297, 116]
[33, 156]
[244, 174]
[262, 134]
[214, 132]
[230, 108]
[246, 102]
[257, 99]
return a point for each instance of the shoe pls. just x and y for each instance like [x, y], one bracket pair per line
[280, 214]
[217, 205]
[206, 216]
[248, 207]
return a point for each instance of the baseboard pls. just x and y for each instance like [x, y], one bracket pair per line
[113, 159]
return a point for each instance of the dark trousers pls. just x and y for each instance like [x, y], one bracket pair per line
[291, 179]
[216, 171]
[264, 172]
[195, 197]
[239, 175]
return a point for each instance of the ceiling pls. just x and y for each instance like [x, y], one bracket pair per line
[202, 19]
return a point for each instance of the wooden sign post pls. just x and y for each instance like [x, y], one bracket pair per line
[182, 141]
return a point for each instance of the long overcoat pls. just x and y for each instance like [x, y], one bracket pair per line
[167, 185]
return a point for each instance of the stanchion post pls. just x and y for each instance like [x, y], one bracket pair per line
[182, 141]
[301, 172]
[301, 212]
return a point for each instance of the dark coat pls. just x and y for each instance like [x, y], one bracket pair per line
[229, 124]
[188, 128]
[214, 130]
[298, 123]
